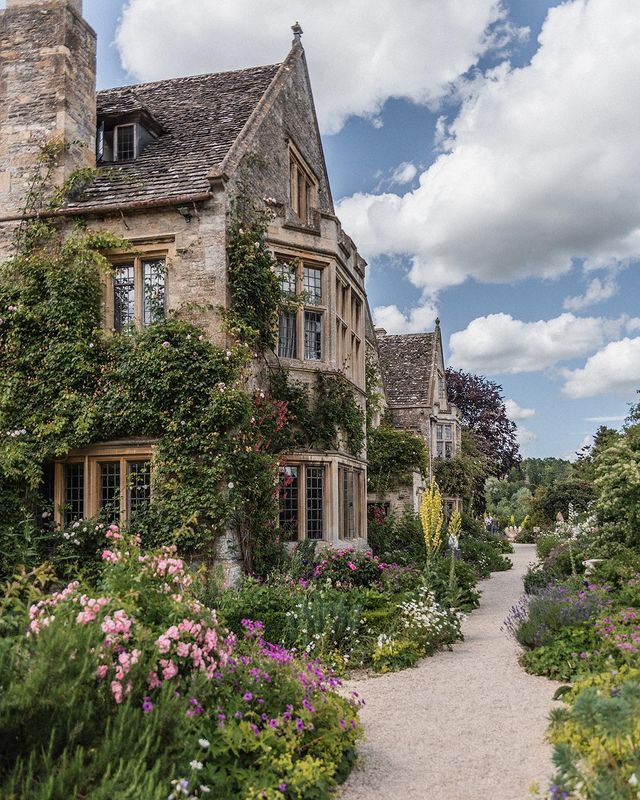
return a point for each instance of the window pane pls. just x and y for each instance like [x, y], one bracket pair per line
[138, 487]
[448, 450]
[289, 502]
[439, 450]
[73, 492]
[109, 490]
[447, 432]
[347, 502]
[438, 431]
[315, 502]
[287, 279]
[124, 305]
[313, 335]
[153, 278]
[313, 285]
[287, 335]
[126, 149]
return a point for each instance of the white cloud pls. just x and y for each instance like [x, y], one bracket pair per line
[605, 419]
[541, 165]
[515, 412]
[417, 320]
[499, 343]
[524, 436]
[599, 289]
[404, 173]
[615, 368]
[359, 53]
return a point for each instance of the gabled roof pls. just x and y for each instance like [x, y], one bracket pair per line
[406, 364]
[202, 116]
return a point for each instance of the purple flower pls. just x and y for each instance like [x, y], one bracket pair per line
[282, 787]
[299, 724]
[147, 705]
[247, 697]
[273, 723]
[166, 344]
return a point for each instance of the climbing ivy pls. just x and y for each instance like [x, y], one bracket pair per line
[254, 286]
[322, 417]
[68, 383]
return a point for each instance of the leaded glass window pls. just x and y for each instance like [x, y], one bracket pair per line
[73, 492]
[153, 280]
[287, 279]
[124, 297]
[313, 285]
[313, 335]
[315, 502]
[109, 490]
[289, 497]
[138, 486]
[125, 142]
[287, 338]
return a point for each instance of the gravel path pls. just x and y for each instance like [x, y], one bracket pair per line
[462, 725]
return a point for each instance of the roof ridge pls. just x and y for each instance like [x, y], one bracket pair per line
[133, 86]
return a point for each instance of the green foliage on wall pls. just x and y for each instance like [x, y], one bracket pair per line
[68, 383]
[393, 455]
[320, 417]
[254, 286]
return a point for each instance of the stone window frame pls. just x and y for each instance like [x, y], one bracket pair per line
[349, 331]
[299, 263]
[91, 459]
[142, 250]
[441, 440]
[333, 496]
[301, 177]
[350, 521]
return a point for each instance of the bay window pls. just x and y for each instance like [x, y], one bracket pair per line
[301, 332]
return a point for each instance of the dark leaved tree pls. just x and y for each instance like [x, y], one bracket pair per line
[482, 408]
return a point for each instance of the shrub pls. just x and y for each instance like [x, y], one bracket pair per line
[546, 543]
[348, 567]
[484, 555]
[597, 738]
[537, 619]
[132, 688]
[573, 651]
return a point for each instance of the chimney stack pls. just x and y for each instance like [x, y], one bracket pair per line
[47, 91]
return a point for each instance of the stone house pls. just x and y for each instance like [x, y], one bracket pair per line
[171, 157]
[415, 387]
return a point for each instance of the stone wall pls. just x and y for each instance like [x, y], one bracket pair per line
[47, 85]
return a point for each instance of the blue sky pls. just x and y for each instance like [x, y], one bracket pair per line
[484, 156]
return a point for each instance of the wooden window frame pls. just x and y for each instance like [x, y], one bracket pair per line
[349, 529]
[302, 467]
[92, 461]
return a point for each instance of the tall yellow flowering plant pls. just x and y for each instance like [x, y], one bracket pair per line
[432, 518]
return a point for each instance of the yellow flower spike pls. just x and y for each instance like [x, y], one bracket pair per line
[431, 517]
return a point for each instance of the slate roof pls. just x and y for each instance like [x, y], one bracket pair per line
[201, 115]
[405, 361]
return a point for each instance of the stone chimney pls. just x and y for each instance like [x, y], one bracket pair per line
[47, 91]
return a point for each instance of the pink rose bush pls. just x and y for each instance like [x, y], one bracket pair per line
[349, 567]
[136, 671]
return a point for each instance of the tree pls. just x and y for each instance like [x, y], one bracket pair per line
[483, 410]
[465, 475]
[584, 467]
[618, 486]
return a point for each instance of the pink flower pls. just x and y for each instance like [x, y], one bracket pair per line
[351, 566]
[169, 669]
[116, 688]
[101, 672]
[153, 681]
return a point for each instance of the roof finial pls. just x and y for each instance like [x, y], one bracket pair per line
[437, 322]
[297, 33]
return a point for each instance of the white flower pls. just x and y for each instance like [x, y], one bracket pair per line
[195, 764]
[633, 780]
[231, 484]
[204, 743]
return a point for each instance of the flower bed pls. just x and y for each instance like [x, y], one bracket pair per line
[134, 689]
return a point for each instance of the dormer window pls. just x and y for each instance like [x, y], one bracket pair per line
[124, 136]
[124, 140]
